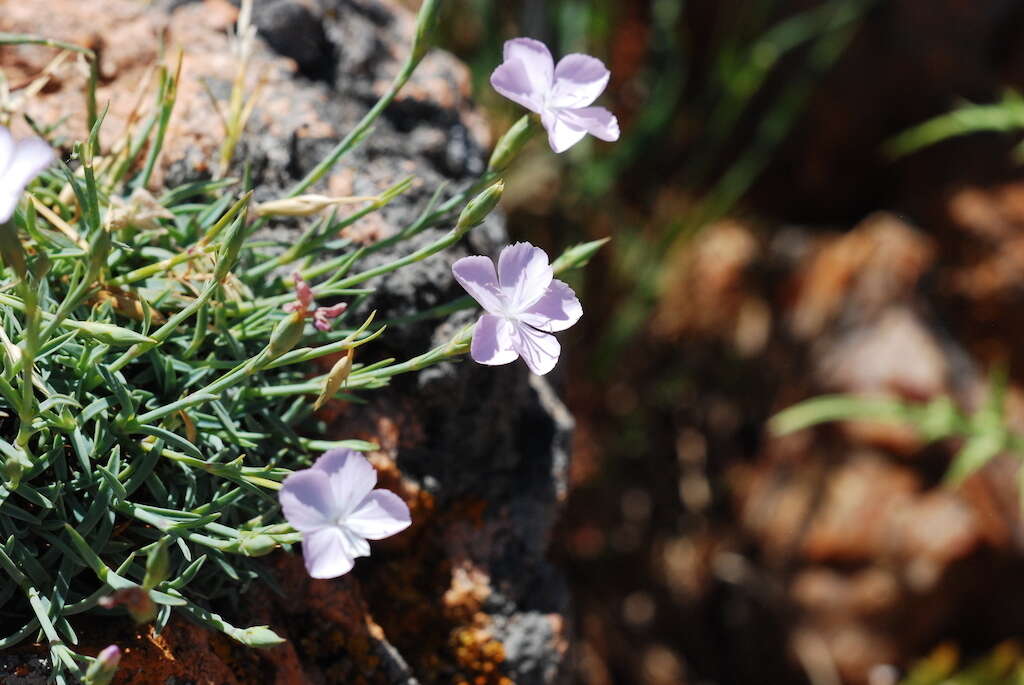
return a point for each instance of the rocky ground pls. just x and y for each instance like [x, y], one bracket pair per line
[466, 595]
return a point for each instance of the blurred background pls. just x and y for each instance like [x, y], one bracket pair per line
[808, 197]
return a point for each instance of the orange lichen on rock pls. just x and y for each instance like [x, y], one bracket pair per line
[479, 656]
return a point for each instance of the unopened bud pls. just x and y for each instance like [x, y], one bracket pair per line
[14, 468]
[158, 565]
[135, 601]
[287, 334]
[102, 670]
[577, 256]
[426, 21]
[99, 249]
[480, 206]
[109, 333]
[258, 636]
[305, 205]
[337, 375]
[512, 142]
[230, 248]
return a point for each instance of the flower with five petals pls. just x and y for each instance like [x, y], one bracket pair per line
[524, 305]
[561, 94]
[336, 508]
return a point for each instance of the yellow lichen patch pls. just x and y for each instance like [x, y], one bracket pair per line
[478, 655]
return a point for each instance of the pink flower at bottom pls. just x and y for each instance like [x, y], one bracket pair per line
[524, 305]
[336, 508]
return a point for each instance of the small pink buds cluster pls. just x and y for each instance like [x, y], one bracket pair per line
[305, 304]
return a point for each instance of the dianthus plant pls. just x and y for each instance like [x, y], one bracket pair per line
[156, 387]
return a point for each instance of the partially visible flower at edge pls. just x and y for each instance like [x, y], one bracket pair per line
[304, 303]
[524, 305]
[103, 669]
[20, 162]
[560, 94]
[336, 508]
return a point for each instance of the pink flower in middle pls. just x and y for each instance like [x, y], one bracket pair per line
[524, 304]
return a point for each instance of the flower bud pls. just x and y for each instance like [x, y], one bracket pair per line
[135, 601]
[109, 333]
[480, 206]
[14, 468]
[258, 636]
[99, 249]
[512, 142]
[102, 670]
[287, 334]
[229, 249]
[426, 20]
[337, 375]
[577, 256]
[158, 565]
[305, 205]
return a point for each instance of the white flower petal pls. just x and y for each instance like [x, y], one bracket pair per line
[597, 121]
[538, 349]
[579, 80]
[325, 553]
[492, 341]
[381, 515]
[511, 80]
[536, 59]
[6, 149]
[524, 274]
[306, 500]
[476, 275]
[351, 476]
[556, 310]
[355, 546]
[30, 156]
[562, 134]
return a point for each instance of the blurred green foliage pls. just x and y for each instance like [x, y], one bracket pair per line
[1003, 666]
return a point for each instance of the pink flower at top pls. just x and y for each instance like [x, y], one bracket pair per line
[20, 162]
[524, 305]
[336, 508]
[304, 302]
[560, 94]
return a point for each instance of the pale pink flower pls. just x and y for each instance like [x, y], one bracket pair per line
[560, 94]
[336, 508]
[304, 303]
[20, 162]
[524, 305]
